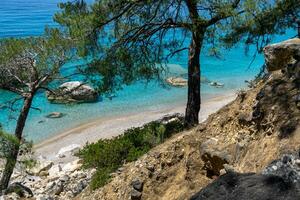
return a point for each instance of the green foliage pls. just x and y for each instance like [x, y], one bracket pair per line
[7, 143]
[261, 21]
[33, 61]
[109, 154]
[130, 40]
[101, 177]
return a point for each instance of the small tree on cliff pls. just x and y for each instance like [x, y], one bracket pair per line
[26, 67]
[130, 37]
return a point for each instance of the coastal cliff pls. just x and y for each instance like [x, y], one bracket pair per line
[258, 127]
[248, 143]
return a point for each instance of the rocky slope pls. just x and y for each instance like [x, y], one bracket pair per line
[245, 136]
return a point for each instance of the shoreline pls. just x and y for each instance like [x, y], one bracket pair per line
[108, 127]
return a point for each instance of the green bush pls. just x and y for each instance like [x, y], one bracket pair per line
[107, 155]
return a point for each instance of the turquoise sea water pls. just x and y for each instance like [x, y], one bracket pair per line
[20, 18]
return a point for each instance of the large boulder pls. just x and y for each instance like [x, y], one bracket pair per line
[280, 181]
[73, 92]
[235, 186]
[279, 55]
[41, 167]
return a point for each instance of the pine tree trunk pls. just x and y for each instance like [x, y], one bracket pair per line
[298, 24]
[194, 98]
[11, 161]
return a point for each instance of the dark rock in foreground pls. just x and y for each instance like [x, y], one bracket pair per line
[235, 186]
[279, 181]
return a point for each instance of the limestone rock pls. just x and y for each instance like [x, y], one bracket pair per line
[278, 55]
[136, 195]
[73, 92]
[71, 149]
[41, 166]
[137, 185]
[55, 170]
[177, 81]
[12, 196]
[71, 167]
[19, 189]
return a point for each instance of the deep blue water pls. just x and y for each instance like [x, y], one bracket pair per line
[19, 18]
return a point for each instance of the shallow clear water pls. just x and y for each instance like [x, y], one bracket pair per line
[20, 18]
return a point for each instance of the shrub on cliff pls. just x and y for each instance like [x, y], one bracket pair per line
[108, 155]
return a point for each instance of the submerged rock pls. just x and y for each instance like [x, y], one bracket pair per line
[279, 55]
[73, 92]
[54, 115]
[216, 84]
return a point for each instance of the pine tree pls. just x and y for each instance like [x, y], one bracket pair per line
[128, 38]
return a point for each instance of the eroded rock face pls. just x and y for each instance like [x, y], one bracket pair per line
[214, 157]
[279, 55]
[73, 92]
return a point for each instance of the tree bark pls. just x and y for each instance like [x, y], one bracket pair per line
[298, 27]
[194, 82]
[11, 161]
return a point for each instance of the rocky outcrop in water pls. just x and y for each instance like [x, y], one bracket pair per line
[73, 92]
[177, 81]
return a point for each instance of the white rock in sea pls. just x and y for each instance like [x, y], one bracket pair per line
[73, 92]
[177, 81]
[216, 84]
[71, 149]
